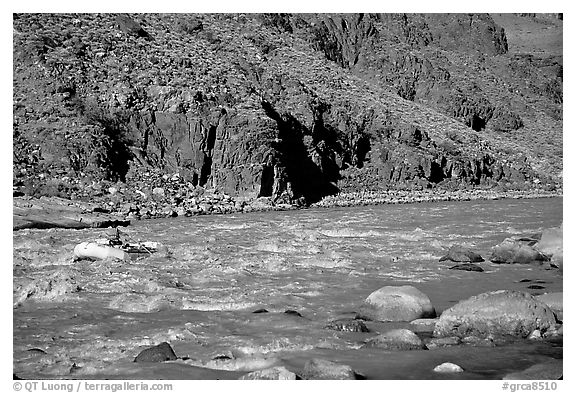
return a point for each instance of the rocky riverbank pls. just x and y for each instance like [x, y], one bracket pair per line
[118, 205]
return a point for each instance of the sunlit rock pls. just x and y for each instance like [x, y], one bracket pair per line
[274, 373]
[498, 313]
[397, 303]
[325, 369]
[397, 340]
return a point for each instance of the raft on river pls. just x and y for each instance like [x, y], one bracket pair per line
[105, 248]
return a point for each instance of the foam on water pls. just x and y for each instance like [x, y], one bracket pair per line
[320, 263]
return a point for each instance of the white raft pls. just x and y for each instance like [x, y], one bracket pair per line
[99, 251]
[102, 248]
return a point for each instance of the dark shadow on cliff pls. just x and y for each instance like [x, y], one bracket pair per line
[307, 178]
[116, 155]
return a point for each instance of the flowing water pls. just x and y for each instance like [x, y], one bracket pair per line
[89, 319]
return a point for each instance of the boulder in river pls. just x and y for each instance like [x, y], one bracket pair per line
[159, 353]
[397, 340]
[448, 367]
[273, 373]
[498, 313]
[458, 253]
[325, 369]
[517, 251]
[397, 303]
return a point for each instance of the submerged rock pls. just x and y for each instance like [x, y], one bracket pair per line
[448, 368]
[441, 342]
[293, 312]
[397, 340]
[498, 313]
[551, 369]
[347, 325]
[458, 253]
[397, 303]
[273, 373]
[469, 267]
[325, 369]
[517, 251]
[159, 353]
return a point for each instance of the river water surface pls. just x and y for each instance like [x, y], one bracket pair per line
[89, 319]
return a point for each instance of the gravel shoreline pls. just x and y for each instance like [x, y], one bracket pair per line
[46, 212]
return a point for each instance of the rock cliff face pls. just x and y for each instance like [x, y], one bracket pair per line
[287, 106]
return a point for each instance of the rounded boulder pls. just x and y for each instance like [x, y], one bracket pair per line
[497, 313]
[397, 340]
[397, 303]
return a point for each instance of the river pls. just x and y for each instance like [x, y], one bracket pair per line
[89, 319]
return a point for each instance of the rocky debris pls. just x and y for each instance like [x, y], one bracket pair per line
[397, 340]
[458, 253]
[552, 369]
[519, 250]
[448, 368]
[498, 313]
[325, 369]
[347, 325]
[130, 26]
[159, 353]
[396, 303]
[555, 301]
[441, 342]
[273, 373]
[55, 212]
[469, 267]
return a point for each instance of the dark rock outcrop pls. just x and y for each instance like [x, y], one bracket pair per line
[389, 101]
[458, 253]
[500, 313]
[396, 303]
[159, 353]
